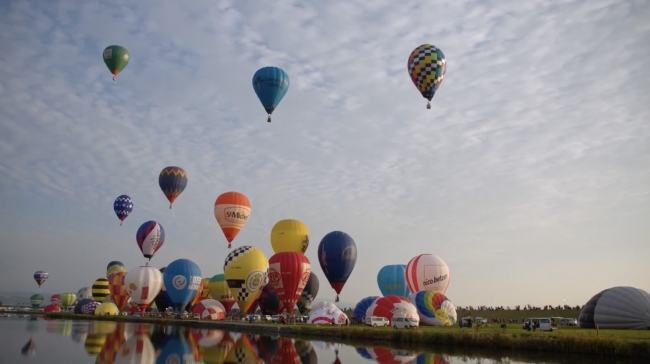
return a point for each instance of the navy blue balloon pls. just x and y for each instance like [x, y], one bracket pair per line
[269, 301]
[123, 206]
[337, 254]
[364, 353]
[359, 311]
[182, 279]
[78, 308]
[176, 350]
[392, 280]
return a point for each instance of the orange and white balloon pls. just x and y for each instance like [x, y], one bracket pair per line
[143, 285]
[231, 209]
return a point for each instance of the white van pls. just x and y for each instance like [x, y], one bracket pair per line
[565, 321]
[400, 322]
[480, 320]
[538, 323]
[376, 321]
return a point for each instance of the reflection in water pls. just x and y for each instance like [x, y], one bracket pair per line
[108, 342]
[29, 349]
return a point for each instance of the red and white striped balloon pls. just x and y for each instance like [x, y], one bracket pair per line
[427, 272]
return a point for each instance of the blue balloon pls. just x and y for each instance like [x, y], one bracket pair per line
[175, 350]
[360, 309]
[391, 280]
[182, 279]
[270, 85]
[364, 353]
[337, 255]
[123, 206]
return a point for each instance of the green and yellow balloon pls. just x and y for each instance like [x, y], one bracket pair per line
[116, 59]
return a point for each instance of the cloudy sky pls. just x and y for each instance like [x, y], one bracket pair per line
[530, 175]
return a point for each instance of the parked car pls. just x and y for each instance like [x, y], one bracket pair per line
[376, 321]
[399, 322]
[565, 321]
[538, 323]
[197, 316]
[480, 320]
[267, 317]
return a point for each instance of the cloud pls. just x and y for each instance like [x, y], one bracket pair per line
[533, 158]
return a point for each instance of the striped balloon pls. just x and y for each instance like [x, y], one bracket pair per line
[118, 290]
[150, 237]
[100, 289]
[427, 272]
[172, 181]
[40, 277]
[434, 308]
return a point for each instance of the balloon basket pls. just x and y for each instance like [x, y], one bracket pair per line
[268, 120]
[170, 206]
[428, 105]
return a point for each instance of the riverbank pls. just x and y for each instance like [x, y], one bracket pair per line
[511, 338]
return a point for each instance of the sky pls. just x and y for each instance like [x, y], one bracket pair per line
[529, 176]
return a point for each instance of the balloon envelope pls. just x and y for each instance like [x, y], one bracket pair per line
[123, 206]
[337, 254]
[116, 58]
[360, 309]
[182, 279]
[391, 280]
[210, 309]
[288, 273]
[270, 85]
[434, 309]
[114, 267]
[308, 293]
[289, 236]
[327, 315]
[107, 309]
[55, 299]
[100, 289]
[84, 293]
[231, 209]
[617, 308]
[220, 291]
[427, 272]
[67, 299]
[172, 181]
[36, 300]
[427, 67]
[143, 284]
[269, 301]
[245, 269]
[150, 237]
[40, 277]
[390, 305]
[117, 286]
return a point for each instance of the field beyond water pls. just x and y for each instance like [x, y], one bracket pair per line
[565, 340]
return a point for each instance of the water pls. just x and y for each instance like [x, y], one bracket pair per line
[35, 340]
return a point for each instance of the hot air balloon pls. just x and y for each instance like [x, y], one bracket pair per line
[35, 300]
[289, 236]
[107, 309]
[78, 307]
[119, 295]
[269, 301]
[289, 273]
[123, 206]
[231, 209]
[270, 85]
[143, 284]
[337, 254]
[116, 58]
[197, 296]
[205, 290]
[100, 289]
[391, 305]
[220, 291]
[84, 293]
[55, 299]
[434, 309]
[359, 312]
[427, 66]
[308, 294]
[52, 308]
[172, 181]
[210, 309]
[182, 279]
[114, 267]
[40, 277]
[427, 272]
[617, 308]
[245, 269]
[328, 314]
[391, 280]
[67, 300]
[90, 307]
[150, 237]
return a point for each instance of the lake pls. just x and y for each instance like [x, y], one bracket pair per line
[37, 340]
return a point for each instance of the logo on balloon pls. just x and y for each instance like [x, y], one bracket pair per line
[173, 359]
[132, 286]
[274, 277]
[434, 280]
[255, 281]
[305, 276]
[179, 282]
